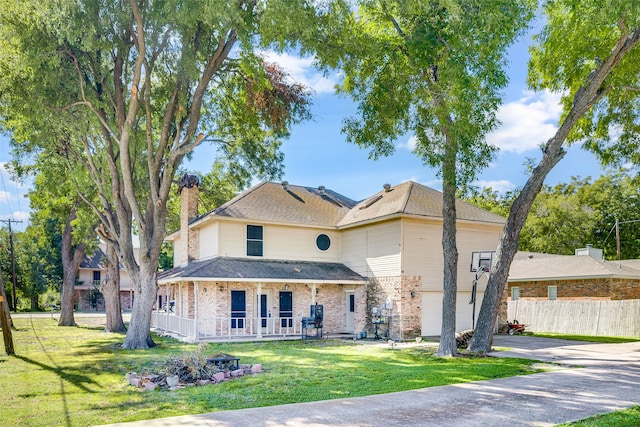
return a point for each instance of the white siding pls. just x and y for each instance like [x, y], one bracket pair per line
[208, 240]
[279, 242]
[422, 252]
[85, 275]
[373, 250]
[233, 239]
[297, 243]
[178, 249]
[472, 239]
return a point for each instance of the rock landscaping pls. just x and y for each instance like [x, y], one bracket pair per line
[191, 369]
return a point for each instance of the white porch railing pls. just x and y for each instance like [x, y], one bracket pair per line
[249, 327]
[227, 327]
[175, 324]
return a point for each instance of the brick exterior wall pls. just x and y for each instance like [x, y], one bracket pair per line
[214, 303]
[87, 302]
[405, 322]
[410, 311]
[578, 289]
[188, 238]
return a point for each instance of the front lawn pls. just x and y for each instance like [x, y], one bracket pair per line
[625, 418]
[76, 376]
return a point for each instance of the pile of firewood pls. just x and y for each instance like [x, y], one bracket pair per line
[464, 338]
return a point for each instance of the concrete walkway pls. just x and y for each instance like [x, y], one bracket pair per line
[609, 380]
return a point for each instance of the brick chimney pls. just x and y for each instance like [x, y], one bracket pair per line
[188, 250]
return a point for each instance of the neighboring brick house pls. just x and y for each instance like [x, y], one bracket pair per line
[91, 274]
[255, 265]
[536, 278]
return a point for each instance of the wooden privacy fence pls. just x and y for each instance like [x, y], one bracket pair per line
[580, 317]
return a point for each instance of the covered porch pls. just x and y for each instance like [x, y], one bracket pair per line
[269, 305]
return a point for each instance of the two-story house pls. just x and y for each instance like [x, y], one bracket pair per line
[255, 265]
[91, 275]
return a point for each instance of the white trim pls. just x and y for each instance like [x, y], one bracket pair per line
[262, 280]
[418, 217]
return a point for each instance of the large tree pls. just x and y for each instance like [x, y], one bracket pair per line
[128, 88]
[434, 70]
[588, 50]
[55, 201]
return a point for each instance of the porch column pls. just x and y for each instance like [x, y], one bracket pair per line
[258, 300]
[313, 294]
[195, 314]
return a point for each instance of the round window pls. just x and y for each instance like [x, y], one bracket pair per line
[323, 242]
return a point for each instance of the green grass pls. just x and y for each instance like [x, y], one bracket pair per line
[588, 338]
[76, 376]
[626, 418]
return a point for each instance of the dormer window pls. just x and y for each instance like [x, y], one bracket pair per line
[254, 240]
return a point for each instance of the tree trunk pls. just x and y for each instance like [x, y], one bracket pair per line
[5, 320]
[585, 97]
[145, 287]
[35, 306]
[71, 259]
[448, 347]
[111, 293]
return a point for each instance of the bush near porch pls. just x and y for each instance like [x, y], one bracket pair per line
[76, 376]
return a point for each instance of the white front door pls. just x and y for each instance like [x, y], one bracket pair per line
[264, 312]
[351, 309]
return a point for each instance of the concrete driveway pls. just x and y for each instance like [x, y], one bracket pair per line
[609, 380]
[572, 353]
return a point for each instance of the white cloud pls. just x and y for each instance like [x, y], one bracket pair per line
[527, 122]
[12, 199]
[501, 185]
[302, 71]
[21, 216]
[410, 144]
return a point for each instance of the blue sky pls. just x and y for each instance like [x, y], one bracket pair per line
[318, 154]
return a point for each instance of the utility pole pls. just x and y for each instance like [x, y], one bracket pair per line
[13, 262]
[5, 318]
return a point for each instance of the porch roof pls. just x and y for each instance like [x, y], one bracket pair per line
[226, 269]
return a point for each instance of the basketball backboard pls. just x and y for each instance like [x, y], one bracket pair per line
[482, 258]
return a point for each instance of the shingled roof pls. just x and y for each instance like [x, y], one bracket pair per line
[531, 266]
[94, 261]
[263, 270]
[411, 198]
[272, 202]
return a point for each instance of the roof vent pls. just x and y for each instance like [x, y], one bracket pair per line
[322, 190]
[285, 185]
[387, 188]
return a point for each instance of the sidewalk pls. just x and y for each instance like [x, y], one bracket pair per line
[608, 382]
